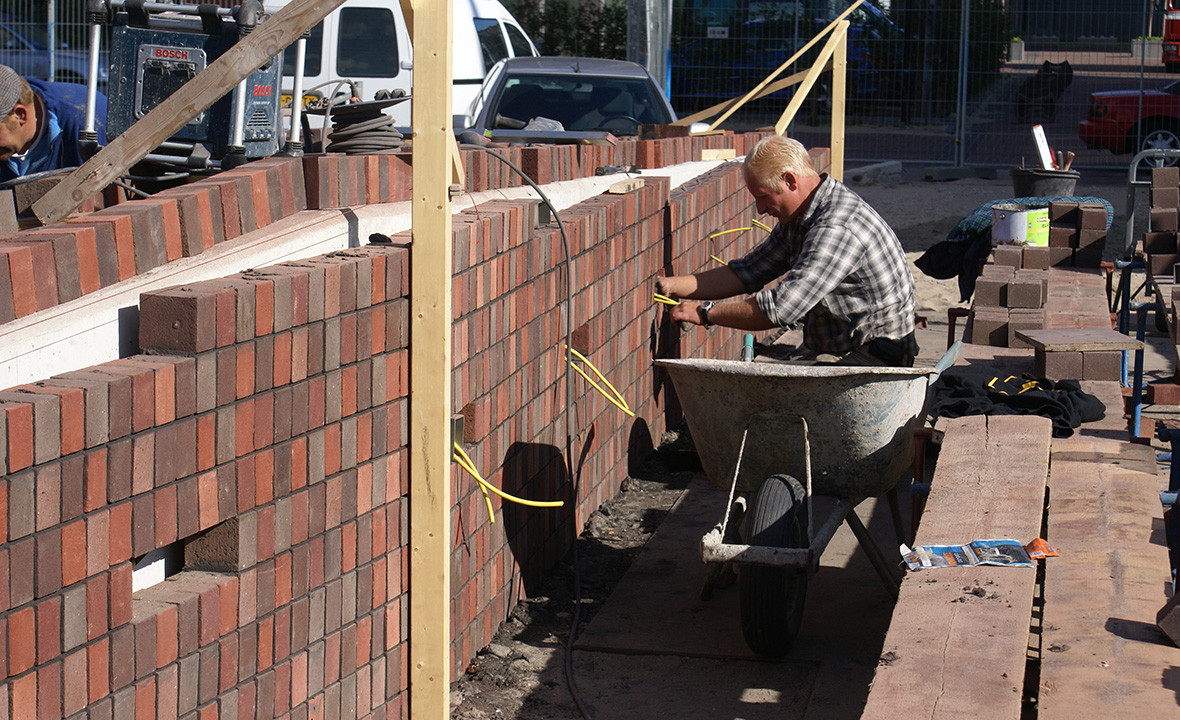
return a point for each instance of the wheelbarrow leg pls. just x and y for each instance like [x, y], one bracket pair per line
[895, 513]
[875, 557]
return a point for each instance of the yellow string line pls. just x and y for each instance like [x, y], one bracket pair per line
[718, 259]
[618, 400]
[664, 299]
[726, 232]
[759, 223]
[487, 500]
[470, 467]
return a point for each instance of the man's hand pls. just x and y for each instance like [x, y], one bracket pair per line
[686, 312]
[675, 287]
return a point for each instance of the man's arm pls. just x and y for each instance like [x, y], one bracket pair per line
[712, 284]
[740, 315]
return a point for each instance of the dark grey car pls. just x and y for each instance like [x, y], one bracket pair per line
[582, 94]
[23, 48]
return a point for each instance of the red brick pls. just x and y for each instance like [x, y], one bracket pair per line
[168, 223]
[120, 533]
[73, 552]
[120, 594]
[74, 696]
[119, 229]
[22, 640]
[48, 562]
[98, 533]
[178, 319]
[48, 630]
[98, 681]
[18, 421]
[7, 308]
[23, 695]
[40, 286]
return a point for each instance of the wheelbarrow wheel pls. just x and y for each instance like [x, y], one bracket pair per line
[772, 597]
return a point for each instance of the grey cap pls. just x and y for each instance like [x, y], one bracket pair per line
[10, 88]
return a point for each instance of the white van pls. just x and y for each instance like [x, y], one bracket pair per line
[366, 43]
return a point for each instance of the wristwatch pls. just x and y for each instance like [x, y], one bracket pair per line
[703, 310]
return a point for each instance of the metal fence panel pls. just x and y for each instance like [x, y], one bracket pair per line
[35, 46]
[941, 81]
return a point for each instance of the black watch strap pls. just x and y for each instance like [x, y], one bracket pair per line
[703, 310]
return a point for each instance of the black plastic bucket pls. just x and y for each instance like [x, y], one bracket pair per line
[1037, 182]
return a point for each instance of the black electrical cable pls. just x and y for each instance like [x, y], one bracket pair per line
[571, 685]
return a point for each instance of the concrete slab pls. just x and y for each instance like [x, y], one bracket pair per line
[655, 612]
[620, 687]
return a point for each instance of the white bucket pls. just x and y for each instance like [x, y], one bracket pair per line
[1020, 224]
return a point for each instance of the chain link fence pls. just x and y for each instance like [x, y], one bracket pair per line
[954, 82]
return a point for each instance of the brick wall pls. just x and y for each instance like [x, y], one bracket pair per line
[263, 427]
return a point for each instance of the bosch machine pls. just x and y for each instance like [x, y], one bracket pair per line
[156, 48]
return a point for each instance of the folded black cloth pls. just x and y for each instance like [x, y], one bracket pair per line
[979, 390]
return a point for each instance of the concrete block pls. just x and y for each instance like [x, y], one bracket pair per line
[1023, 319]
[1086, 238]
[1102, 365]
[1165, 197]
[1011, 255]
[1058, 365]
[1165, 177]
[1159, 242]
[1093, 216]
[991, 292]
[1063, 213]
[1164, 219]
[1036, 258]
[1088, 257]
[1168, 617]
[1025, 293]
[989, 326]
[1162, 393]
[1160, 265]
[1062, 237]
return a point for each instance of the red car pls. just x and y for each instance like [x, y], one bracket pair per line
[1127, 121]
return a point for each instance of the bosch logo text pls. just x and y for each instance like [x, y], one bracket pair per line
[171, 54]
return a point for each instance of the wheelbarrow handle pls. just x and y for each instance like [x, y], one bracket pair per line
[952, 355]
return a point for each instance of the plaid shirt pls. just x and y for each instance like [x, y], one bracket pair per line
[846, 274]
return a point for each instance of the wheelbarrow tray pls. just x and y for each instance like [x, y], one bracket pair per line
[860, 420]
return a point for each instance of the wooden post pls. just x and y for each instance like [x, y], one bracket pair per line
[819, 66]
[430, 363]
[839, 90]
[778, 71]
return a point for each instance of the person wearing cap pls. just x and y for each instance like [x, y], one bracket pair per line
[40, 124]
[843, 272]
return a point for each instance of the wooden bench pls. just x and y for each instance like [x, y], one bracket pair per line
[1101, 654]
[958, 639]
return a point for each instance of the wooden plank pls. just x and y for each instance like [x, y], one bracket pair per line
[1078, 339]
[958, 638]
[719, 107]
[1101, 654]
[221, 76]
[786, 64]
[718, 154]
[839, 98]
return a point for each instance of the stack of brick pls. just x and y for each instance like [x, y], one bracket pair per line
[1010, 295]
[1077, 233]
[1159, 242]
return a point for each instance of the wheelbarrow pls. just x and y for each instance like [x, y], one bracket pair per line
[760, 427]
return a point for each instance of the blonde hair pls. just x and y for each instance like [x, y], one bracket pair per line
[775, 155]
